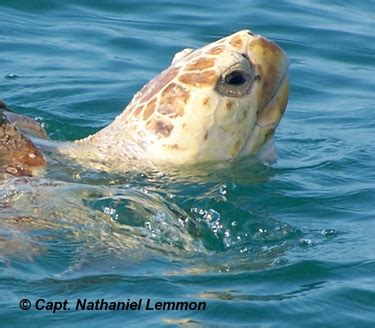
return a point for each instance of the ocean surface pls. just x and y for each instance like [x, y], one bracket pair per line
[291, 244]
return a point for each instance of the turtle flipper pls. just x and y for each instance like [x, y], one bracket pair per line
[18, 155]
[26, 124]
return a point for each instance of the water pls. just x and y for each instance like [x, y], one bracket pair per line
[290, 244]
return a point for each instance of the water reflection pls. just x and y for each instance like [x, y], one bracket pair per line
[196, 218]
[237, 295]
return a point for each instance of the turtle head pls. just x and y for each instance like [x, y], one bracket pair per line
[225, 101]
[219, 102]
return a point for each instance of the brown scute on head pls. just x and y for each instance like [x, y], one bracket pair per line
[150, 109]
[216, 50]
[137, 111]
[162, 128]
[236, 42]
[173, 146]
[159, 82]
[207, 78]
[266, 45]
[173, 100]
[201, 64]
[229, 105]
[205, 101]
[18, 155]
[177, 91]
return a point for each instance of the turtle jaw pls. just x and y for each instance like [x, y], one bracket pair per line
[268, 120]
[270, 89]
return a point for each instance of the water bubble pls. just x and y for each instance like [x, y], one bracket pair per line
[244, 250]
[280, 261]
[329, 232]
[223, 190]
[198, 211]
[216, 227]
[225, 268]
[307, 242]
[227, 239]
[160, 217]
[11, 76]
[227, 242]
[40, 121]
[213, 219]
[111, 211]
[211, 215]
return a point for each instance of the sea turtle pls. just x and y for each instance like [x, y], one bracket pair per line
[216, 103]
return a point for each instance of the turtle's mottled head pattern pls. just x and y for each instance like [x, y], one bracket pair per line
[219, 102]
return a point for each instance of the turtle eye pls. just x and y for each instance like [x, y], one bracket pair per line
[235, 78]
[235, 83]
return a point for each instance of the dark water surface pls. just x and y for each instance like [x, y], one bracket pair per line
[290, 244]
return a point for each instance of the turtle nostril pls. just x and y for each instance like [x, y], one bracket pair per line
[250, 33]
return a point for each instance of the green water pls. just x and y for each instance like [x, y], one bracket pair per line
[291, 244]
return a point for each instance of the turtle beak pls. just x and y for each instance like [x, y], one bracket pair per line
[271, 69]
[270, 64]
